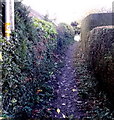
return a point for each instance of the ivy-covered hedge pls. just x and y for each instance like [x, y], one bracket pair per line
[29, 63]
[28, 66]
[101, 56]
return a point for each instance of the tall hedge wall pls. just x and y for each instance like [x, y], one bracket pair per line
[92, 21]
[101, 56]
[29, 64]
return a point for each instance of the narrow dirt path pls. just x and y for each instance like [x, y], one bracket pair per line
[67, 98]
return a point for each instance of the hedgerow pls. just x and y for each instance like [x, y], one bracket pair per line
[27, 66]
[95, 102]
[100, 57]
[65, 36]
[29, 63]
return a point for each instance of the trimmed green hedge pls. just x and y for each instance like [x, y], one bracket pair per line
[101, 56]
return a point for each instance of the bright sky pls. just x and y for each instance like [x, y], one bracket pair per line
[67, 10]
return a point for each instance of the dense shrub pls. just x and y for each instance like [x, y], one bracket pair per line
[29, 63]
[65, 36]
[101, 56]
[96, 105]
[28, 66]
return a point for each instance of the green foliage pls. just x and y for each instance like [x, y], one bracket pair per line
[65, 36]
[75, 27]
[100, 57]
[28, 66]
[47, 31]
[46, 26]
[96, 104]
[29, 63]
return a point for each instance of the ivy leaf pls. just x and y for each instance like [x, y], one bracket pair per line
[14, 100]
[1, 57]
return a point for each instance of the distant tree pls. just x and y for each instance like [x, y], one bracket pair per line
[65, 35]
[75, 27]
[46, 17]
[74, 24]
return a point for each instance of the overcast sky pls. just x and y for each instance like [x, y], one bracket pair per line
[68, 10]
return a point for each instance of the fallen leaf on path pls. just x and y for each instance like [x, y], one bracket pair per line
[49, 109]
[63, 104]
[58, 110]
[38, 91]
[63, 96]
[63, 115]
[79, 102]
[74, 90]
[69, 67]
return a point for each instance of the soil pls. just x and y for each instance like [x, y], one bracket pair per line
[65, 103]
